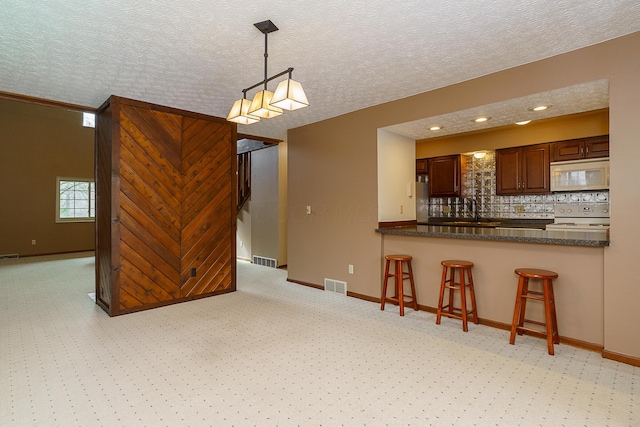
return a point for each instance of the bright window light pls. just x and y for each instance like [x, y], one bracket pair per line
[88, 120]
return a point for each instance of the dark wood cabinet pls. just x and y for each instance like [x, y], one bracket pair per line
[523, 170]
[422, 166]
[582, 148]
[445, 176]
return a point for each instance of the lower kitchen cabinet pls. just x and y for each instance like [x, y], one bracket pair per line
[523, 170]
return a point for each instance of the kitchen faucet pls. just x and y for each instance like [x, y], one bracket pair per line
[473, 206]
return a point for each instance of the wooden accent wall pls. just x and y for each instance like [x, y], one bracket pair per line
[165, 229]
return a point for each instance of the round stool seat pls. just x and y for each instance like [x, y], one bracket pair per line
[536, 273]
[398, 257]
[455, 263]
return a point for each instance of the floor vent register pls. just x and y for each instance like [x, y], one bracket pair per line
[336, 286]
[267, 262]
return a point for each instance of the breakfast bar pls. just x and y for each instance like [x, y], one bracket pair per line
[577, 257]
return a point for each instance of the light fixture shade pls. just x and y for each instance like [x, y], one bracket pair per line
[260, 105]
[289, 95]
[238, 113]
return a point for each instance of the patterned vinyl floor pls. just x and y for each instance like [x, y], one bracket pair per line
[279, 354]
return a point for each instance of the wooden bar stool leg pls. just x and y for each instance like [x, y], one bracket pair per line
[516, 311]
[441, 297]
[413, 287]
[547, 314]
[472, 293]
[463, 299]
[556, 336]
[384, 287]
[523, 302]
[400, 286]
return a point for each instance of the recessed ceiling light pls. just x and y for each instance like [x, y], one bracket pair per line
[436, 127]
[481, 119]
[524, 122]
[539, 108]
[479, 154]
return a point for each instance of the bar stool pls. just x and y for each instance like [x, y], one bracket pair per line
[451, 266]
[400, 276]
[546, 296]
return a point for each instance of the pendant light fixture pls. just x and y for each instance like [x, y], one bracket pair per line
[289, 94]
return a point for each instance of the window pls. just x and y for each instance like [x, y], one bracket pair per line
[76, 200]
[88, 120]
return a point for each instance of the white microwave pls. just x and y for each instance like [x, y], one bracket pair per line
[579, 175]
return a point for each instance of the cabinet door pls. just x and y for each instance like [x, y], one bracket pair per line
[508, 170]
[421, 166]
[535, 168]
[444, 176]
[595, 147]
[567, 150]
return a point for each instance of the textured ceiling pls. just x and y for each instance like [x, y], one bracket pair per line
[198, 55]
[561, 102]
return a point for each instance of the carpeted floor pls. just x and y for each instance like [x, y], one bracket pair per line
[279, 354]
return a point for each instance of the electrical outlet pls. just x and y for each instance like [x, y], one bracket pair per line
[446, 209]
[308, 210]
[519, 208]
[350, 268]
[33, 242]
[401, 209]
[241, 243]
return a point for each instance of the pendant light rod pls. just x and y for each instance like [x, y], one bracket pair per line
[266, 56]
[275, 76]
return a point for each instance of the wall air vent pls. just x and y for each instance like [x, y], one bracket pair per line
[267, 262]
[9, 256]
[335, 286]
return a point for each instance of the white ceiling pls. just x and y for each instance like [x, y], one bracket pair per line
[199, 55]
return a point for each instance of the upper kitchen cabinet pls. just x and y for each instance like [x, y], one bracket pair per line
[422, 166]
[445, 176]
[523, 170]
[582, 148]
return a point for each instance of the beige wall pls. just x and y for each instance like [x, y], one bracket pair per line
[333, 167]
[282, 206]
[243, 232]
[264, 202]
[396, 177]
[37, 144]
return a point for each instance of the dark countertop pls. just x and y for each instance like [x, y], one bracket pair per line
[510, 234]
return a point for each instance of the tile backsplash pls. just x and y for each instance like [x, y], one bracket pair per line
[479, 182]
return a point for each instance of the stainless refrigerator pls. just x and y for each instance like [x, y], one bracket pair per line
[422, 199]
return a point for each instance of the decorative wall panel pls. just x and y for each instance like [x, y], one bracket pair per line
[165, 228]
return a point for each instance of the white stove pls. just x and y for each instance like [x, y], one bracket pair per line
[581, 217]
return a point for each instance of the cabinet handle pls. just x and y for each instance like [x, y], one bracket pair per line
[587, 148]
[581, 151]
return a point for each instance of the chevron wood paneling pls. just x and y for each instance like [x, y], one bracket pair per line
[172, 234]
[207, 157]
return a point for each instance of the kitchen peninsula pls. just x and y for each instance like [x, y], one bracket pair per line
[577, 257]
